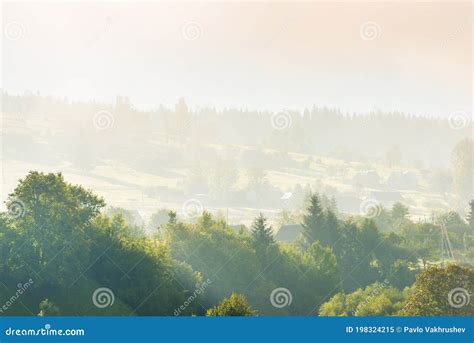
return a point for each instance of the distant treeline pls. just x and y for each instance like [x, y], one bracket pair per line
[317, 130]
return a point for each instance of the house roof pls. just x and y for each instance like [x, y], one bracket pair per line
[288, 233]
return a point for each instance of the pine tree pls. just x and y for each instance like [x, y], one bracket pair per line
[313, 220]
[262, 235]
[331, 231]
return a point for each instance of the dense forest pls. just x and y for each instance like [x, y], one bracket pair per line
[62, 253]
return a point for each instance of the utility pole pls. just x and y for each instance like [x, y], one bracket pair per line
[446, 243]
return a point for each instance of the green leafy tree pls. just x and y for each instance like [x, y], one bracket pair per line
[235, 305]
[216, 248]
[401, 274]
[442, 291]
[399, 211]
[17, 256]
[354, 257]
[132, 266]
[55, 218]
[55, 229]
[205, 220]
[399, 216]
[378, 299]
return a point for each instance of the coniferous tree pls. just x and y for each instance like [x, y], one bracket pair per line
[313, 220]
[399, 211]
[331, 232]
[262, 234]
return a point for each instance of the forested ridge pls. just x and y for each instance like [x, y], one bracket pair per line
[240, 160]
[62, 253]
[308, 130]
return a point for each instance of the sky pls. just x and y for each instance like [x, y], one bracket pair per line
[410, 57]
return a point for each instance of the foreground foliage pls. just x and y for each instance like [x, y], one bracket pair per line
[235, 305]
[442, 292]
[58, 236]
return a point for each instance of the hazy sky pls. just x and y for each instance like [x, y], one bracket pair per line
[267, 55]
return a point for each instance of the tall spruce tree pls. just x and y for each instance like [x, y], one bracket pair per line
[262, 234]
[331, 231]
[314, 220]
